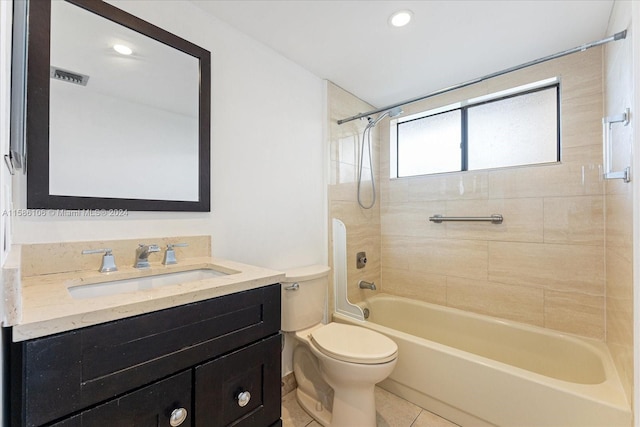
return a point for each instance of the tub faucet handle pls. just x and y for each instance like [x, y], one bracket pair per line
[361, 259]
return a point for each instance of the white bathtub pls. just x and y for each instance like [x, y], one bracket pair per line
[477, 370]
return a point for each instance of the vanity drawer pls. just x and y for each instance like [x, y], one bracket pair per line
[151, 406]
[61, 374]
[241, 388]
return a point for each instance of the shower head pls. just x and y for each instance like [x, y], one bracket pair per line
[393, 112]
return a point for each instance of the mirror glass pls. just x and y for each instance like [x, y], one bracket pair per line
[131, 128]
[128, 128]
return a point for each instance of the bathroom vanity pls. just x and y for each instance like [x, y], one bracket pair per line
[198, 359]
[204, 353]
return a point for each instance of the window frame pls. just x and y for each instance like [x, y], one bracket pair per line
[464, 106]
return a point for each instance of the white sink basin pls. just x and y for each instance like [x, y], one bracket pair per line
[141, 283]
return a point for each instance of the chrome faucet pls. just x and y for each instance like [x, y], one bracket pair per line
[142, 255]
[367, 285]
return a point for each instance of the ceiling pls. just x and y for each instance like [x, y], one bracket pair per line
[448, 41]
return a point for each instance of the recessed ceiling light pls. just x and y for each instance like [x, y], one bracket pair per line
[400, 18]
[122, 49]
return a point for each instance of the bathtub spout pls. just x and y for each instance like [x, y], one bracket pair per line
[366, 285]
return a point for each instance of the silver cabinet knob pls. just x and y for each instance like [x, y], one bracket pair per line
[177, 417]
[244, 398]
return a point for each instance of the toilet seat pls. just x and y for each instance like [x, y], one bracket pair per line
[354, 344]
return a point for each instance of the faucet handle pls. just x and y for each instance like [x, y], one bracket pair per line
[108, 261]
[105, 251]
[176, 245]
[150, 248]
[170, 255]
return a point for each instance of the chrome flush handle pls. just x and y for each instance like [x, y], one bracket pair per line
[293, 287]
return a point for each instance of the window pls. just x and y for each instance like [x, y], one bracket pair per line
[511, 128]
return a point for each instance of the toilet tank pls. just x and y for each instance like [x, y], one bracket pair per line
[303, 296]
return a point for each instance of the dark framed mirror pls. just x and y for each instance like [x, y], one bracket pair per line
[117, 112]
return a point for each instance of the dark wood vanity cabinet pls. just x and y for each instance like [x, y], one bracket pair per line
[213, 363]
[151, 406]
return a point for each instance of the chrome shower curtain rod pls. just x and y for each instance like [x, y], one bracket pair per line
[618, 36]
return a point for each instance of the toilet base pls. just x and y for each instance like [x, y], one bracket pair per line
[354, 406]
[348, 409]
[313, 407]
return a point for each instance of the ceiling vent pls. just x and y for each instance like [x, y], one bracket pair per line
[68, 76]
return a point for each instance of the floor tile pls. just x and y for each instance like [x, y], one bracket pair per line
[428, 419]
[393, 411]
[292, 414]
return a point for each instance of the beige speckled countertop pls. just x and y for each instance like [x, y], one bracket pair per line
[46, 307]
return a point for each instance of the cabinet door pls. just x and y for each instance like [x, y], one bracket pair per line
[241, 388]
[151, 406]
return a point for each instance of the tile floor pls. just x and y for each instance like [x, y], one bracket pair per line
[393, 411]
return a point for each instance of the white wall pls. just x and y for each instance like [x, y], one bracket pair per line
[268, 179]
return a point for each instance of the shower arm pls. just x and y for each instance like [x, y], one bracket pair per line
[617, 36]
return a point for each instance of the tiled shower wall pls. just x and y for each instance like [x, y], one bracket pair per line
[363, 225]
[618, 95]
[545, 264]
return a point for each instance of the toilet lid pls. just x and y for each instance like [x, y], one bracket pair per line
[354, 344]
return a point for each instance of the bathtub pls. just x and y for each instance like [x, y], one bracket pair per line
[480, 371]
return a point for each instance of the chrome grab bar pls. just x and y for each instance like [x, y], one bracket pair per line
[607, 148]
[494, 219]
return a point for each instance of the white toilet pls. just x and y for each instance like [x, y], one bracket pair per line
[336, 366]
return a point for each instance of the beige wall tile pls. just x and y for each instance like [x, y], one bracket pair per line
[522, 219]
[575, 268]
[619, 231]
[619, 269]
[351, 214]
[415, 285]
[395, 252]
[394, 191]
[520, 303]
[575, 312]
[577, 219]
[462, 185]
[342, 192]
[581, 121]
[461, 258]
[620, 326]
[412, 219]
[578, 174]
